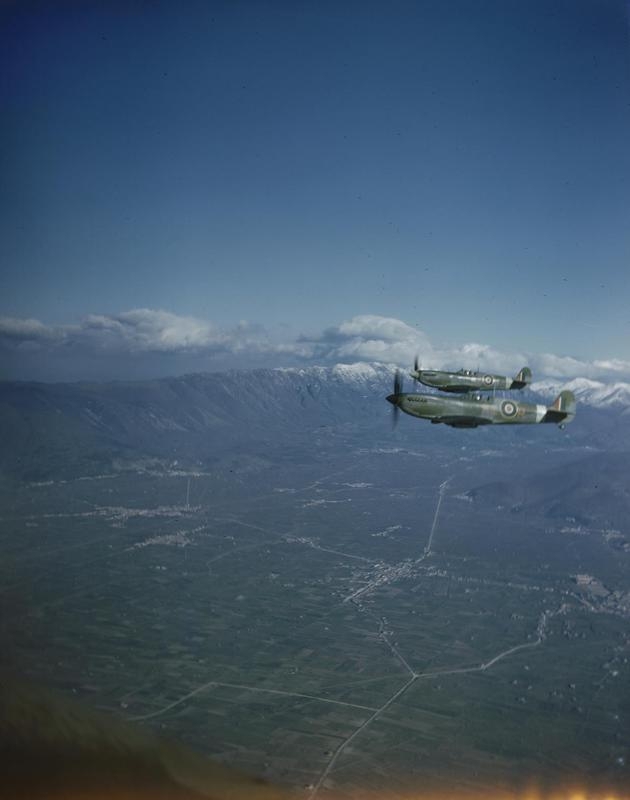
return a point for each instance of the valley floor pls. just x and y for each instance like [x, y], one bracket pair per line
[345, 621]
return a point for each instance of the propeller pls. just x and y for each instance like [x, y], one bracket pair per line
[393, 398]
[416, 368]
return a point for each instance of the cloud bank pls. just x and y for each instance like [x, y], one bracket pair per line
[141, 330]
[170, 344]
[374, 338]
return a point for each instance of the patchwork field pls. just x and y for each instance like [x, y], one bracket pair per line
[348, 620]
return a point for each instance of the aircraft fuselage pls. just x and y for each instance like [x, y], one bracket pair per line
[465, 381]
[470, 412]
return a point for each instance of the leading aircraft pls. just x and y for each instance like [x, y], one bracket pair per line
[465, 380]
[475, 410]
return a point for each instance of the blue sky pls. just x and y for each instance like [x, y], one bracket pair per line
[274, 171]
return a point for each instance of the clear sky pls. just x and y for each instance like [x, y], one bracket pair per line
[462, 167]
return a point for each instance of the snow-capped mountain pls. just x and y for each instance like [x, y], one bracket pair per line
[371, 375]
[592, 393]
[195, 418]
[199, 418]
[589, 392]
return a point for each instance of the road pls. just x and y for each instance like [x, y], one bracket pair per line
[212, 684]
[540, 636]
[442, 489]
[403, 569]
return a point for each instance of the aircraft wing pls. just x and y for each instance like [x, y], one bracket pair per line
[54, 746]
[461, 421]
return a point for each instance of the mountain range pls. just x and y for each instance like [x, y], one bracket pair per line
[63, 430]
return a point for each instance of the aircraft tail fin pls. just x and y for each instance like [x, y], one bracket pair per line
[562, 410]
[522, 378]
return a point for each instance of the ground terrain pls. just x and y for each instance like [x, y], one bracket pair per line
[345, 615]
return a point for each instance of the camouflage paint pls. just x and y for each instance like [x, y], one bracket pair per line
[466, 380]
[472, 411]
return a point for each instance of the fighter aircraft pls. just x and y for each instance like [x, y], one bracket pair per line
[466, 380]
[475, 410]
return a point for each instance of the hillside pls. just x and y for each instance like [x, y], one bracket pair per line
[197, 420]
[593, 488]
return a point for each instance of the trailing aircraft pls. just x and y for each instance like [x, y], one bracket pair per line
[465, 380]
[475, 410]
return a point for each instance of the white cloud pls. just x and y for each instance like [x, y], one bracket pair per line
[149, 330]
[371, 338]
[612, 365]
[25, 330]
[374, 338]
[157, 336]
[143, 330]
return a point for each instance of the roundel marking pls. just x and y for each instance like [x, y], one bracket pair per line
[508, 408]
[487, 379]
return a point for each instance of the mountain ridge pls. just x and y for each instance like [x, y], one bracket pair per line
[69, 428]
[587, 390]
